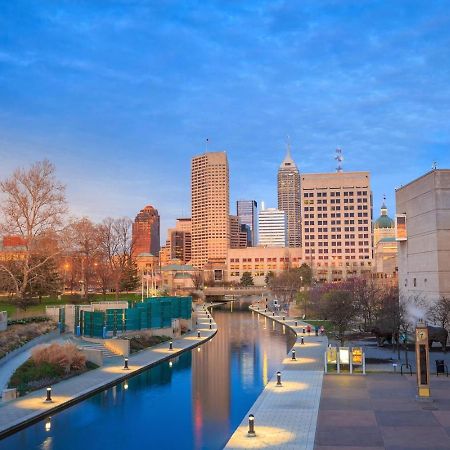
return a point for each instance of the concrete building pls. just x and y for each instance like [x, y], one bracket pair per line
[289, 199]
[384, 245]
[424, 239]
[238, 233]
[259, 261]
[145, 231]
[247, 211]
[272, 228]
[210, 208]
[337, 224]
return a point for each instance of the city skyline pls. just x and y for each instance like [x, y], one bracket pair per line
[114, 125]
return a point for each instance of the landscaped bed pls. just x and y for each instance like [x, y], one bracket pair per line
[19, 334]
[142, 341]
[48, 365]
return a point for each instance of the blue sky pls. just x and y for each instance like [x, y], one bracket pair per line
[121, 94]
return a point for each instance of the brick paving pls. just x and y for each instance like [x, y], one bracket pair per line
[286, 417]
[379, 411]
[31, 407]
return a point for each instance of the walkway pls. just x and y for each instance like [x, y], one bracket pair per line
[18, 413]
[286, 417]
[380, 411]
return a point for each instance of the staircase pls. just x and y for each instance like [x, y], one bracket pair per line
[93, 346]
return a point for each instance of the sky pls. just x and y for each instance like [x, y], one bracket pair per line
[120, 95]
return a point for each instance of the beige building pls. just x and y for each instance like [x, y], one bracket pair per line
[289, 199]
[337, 224]
[210, 208]
[259, 261]
[385, 246]
[424, 251]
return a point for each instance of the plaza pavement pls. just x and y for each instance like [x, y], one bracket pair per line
[379, 411]
[286, 417]
[29, 408]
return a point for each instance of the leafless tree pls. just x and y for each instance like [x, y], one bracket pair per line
[439, 312]
[33, 208]
[197, 279]
[85, 239]
[117, 247]
[286, 285]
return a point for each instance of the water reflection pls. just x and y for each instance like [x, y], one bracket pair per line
[195, 404]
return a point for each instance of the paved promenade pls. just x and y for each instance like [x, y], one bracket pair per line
[31, 407]
[286, 417]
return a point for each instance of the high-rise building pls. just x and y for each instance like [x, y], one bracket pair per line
[180, 240]
[337, 224]
[247, 211]
[289, 199]
[238, 233]
[272, 228]
[423, 235]
[210, 208]
[145, 231]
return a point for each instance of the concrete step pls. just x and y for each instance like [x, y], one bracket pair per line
[92, 345]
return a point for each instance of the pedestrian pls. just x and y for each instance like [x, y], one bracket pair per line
[308, 329]
[322, 329]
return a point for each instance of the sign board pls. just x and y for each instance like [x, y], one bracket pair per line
[344, 355]
[357, 356]
[401, 233]
[332, 355]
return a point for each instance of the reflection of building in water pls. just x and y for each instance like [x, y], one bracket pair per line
[211, 384]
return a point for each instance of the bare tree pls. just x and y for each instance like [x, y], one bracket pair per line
[439, 312]
[117, 247]
[85, 238]
[197, 280]
[286, 285]
[33, 208]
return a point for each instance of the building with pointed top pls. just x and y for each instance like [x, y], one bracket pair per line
[145, 231]
[289, 199]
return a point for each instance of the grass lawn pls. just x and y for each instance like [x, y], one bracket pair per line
[38, 308]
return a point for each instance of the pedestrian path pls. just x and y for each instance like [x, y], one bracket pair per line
[285, 417]
[18, 413]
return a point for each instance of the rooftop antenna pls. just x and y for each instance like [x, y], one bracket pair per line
[206, 144]
[288, 145]
[434, 166]
[339, 158]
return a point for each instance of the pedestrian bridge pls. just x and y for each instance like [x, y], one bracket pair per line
[235, 291]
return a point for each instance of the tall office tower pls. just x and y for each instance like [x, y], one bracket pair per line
[337, 224]
[145, 232]
[272, 228]
[238, 233]
[180, 240]
[210, 208]
[247, 211]
[289, 199]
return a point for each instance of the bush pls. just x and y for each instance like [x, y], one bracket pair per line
[63, 356]
[143, 341]
[27, 320]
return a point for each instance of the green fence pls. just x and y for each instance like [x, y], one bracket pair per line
[153, 312]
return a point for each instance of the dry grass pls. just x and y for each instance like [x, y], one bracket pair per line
[17, 335]
[65, 356]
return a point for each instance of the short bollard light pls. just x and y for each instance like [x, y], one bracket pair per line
[251, 426]
[49, 395]
[295, 323]
[170, 345]
[125, 364]
[210, 326]
[273, 314]
[293, 355]
[284, 318]
[210, 320]
[279, 379]
[198, 334]
[303, 330]
[302, 341]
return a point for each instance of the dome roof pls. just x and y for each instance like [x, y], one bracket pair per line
[384, 221]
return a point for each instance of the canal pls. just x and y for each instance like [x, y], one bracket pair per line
[196, 402]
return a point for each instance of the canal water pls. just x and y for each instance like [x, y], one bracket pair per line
[194, 403]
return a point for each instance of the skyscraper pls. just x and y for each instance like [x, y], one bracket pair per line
[337, 224]
[289, 198]
[145, 232]
[210, 208]
[247, 213]
[272, 226]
